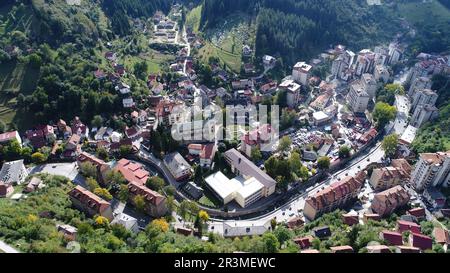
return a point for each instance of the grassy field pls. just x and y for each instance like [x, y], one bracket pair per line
[226, 41]
[233, 61]
[15, 78]
[193, 18]
[417, 12]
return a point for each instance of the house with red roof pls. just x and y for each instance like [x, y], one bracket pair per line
[155, 203]
[334, 196]
[341, 249]
[90, 203]
[371, 216]
[304, 242]
[350, 219]
[403, 226]
[392, 237]
[132, 171]
[420, 241]
[255, 139]
[205, 152]
[441, 236]
[419, 212]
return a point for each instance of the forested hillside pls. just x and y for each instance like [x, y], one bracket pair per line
[119, 11]
[293, 29]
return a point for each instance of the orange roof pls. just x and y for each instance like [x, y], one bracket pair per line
[89, 199]
[132, 172]
[334, 192]
[149, 196]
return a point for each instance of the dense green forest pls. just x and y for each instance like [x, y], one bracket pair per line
[119, 11]
[293, 30]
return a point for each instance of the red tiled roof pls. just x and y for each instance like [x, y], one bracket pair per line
[408, 226]
[417, 212]
[421, 241]
[335, 192]
[132, 172]
[441, 236]
[89, 199]
[149, 195]
[392, 237]
[304, 242]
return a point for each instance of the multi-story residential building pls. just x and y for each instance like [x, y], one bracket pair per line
[432, 169]
[381, 73]
[418, 84]
[155, 203]
[177, 166]
[386, 202]
[301, 72]
[256, 139]
[101, 166]
[365, 62]
[424, 113]
[205, 152]
[292, 92]
[13, 172]
[169, 112]
[90, 203]
[333, 197]
[369, 84]
[132, 171]
[395, 53]
[422, 97]
[358, 99]
[434, 197]
[240, 165]
[387, 177]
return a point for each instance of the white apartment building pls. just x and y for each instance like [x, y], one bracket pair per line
[244, 191]
[423, 113]
[292, 92]
[422, 97]
[381, 73]
[357, 98]
[417, 84]
[369, 84]
[365, 62]
[301, 72]
[432, 169]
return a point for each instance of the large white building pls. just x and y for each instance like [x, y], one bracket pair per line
[432, 169]
[244, 191]
[301, 72]
[358, 99]
[241, 165]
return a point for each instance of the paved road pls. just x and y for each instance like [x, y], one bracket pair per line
[7, 248]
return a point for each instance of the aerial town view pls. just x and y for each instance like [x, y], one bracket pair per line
[224, 126]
